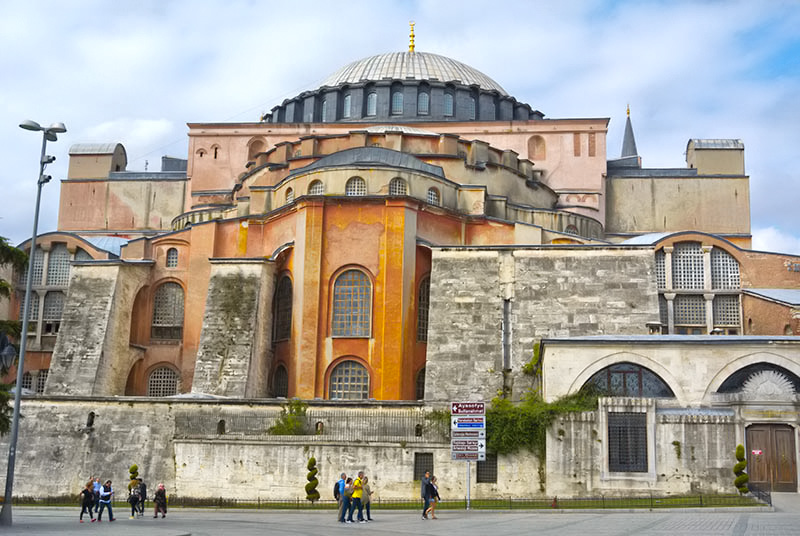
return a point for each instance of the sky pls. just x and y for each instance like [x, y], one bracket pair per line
[136, 72]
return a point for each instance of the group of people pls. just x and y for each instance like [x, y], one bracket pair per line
[429, 491]
[97, 497]
[353, 494]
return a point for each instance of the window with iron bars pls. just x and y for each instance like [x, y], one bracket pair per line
[627, 442]
[487, 470]
[423, 461]
[168, 312]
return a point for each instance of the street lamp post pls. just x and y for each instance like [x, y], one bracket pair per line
[48, 134]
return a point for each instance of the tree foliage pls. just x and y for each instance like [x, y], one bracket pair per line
[16, 258]
[292, 420]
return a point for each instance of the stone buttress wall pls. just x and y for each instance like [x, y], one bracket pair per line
[234, 355]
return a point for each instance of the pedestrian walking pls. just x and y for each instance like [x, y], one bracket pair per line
[87, 500]
[423, 490]
[366, 497]
[358, 491]
[97, 487]
[338, 494]
[133, 499]
[346, 495]
[142, 496]
[106, 494]
[433, 493]
[160, 502]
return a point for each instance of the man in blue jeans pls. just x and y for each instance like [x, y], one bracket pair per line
[425, 494]
[105, 501]
[339, 496]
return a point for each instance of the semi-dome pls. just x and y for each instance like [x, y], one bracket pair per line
[423, 66]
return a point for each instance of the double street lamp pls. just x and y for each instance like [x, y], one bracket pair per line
[48, 134]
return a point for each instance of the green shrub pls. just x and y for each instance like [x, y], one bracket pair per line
[742, 478]
[311, 488]
[292, 420]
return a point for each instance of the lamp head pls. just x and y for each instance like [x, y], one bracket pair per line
[50, 136]
[7, 356]
[30, 125]
[58, 128]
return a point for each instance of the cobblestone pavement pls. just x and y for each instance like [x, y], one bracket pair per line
[46, 521]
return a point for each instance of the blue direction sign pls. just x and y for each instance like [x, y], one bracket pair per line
[468, 422]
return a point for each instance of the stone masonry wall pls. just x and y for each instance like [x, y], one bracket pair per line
[234, 356]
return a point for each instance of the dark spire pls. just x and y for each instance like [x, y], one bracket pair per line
[628, 141]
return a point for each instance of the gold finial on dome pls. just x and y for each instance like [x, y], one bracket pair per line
[411, 37]
[629, 110]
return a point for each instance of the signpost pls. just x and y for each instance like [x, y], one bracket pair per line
[468, 435]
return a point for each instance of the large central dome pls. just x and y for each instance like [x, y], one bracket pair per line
[411, 66]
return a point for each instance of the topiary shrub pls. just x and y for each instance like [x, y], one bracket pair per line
[311, 488]
[742, 478]
[134, 473]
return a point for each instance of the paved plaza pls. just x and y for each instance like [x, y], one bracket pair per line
[784, 520]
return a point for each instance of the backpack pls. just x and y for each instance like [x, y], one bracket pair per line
[336, 490]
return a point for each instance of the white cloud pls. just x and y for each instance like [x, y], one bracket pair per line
[772, 239]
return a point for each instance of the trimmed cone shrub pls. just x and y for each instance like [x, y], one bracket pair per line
[311, 488]
[741, 477]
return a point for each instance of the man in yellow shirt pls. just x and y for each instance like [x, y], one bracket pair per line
[358, 492]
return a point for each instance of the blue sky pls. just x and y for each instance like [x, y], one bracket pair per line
[137, 71]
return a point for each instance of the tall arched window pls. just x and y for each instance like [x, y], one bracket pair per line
[316, 188]
[283, 309]
[355, 186]
[163, 381]
[448, 104]
[397, 102]
[423, 306]
[58, 266]
[53, 310]
[420, 384]
[38, 268]
[172, 258]
[324, 110]
[471, 108]
[433, 197]
[289, 195]
[352, 305]
[167, 312]
[346, 106]
[372, 103]
[280, 382]
[398, 186]
[349, 381]
[423, 103]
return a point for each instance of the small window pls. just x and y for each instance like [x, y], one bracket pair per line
[372, 103]
[316, 188]
[433, 197]
[471, 108]
[398, 186]
[423, 462]
[627, 442]
[349, 381]
[346, 106]
[356, 186]
[90, 419]
[420, 390]
[172, 258]
[280, 382]
[571, 229]
[487, 470]
[221, 427]
[289, 196]
[397, 103]
[448, 104]
[324, 110]
[423, 103]
[163, 381]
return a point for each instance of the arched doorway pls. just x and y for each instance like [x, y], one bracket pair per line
[771, 456]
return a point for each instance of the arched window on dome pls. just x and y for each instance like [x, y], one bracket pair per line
[433, 197]
[471, 108]
[448, 104]
[324, 110]
[398, 186]
[349, 381]
[423, 103]
[346, 103]
[316, 188]
[289, 196]
[356, 186]
[397, 101]
[372, 103]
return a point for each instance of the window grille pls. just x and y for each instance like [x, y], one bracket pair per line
[690, 309]
[687, 266]
[487, 470]
[663, 312]
[448, 104]
[420, 387]
[289, 196]
[349, 381]
[397, 102]
[423, 307]
[351, 304]
[38, 266]
[324, 110]
[630, 379]
[346, 107]
[372, 103]
[172, 258]
[27, 381]
[33, 312]
[661, 271]
[726, 310]
[52, 312]
[397, 186]
[724, 270]
[41, 380]
[283, 309]
[316, 188]
[471, 108]
[58, 266]
[168, 312]
[280, 382]
[163, 381]
[423, 462]
[423, 103]
[571, 229]
[433, 197]
[81, 255]
[356, 186]
[627, 442]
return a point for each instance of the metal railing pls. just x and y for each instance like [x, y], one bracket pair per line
[762, 494]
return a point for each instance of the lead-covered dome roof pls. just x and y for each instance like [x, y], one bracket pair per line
[411, 66]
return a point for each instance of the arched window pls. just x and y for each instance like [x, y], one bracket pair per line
[283, 309]
[372, 103]
[433, 197]
[448, 105]
[41, 380]
[397, 102]
[324, 110]
[423, 103]
[58, 266]
[163, 381]
[53, 310]
[724, 270]
[420, 390]
[316, 188]
[687, 266]
[471, 108]
[172, 258]
[349, 381]
[167, 312]
[571, 229]
[352, 304]
[289, 195]
[537, 149]
[630, 379]
[356, 186]
[398, 186]
[423, 306]
[764, 378]
[346, 106]
[280, 382]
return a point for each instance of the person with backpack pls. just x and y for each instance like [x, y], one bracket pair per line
[160, 501]
[338, 493]
[133, 498]
[142, 496]
[347, 493]
[106, 495]
[87, 501]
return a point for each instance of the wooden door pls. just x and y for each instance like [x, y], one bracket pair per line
[771, 456]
